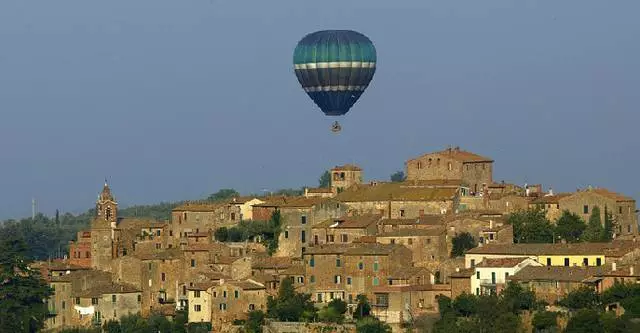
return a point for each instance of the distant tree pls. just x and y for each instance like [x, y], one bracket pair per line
[223, 194]
[325, 180]
[234, 234]
[594, 231]
[461, 243]
[465, 305]
[275, 227]
[581, 298]
[545, 322]
[372, 325]
[255, 320]
[57, 217]
[221, 234]
[398, 177]
[290, 305]
[517, 299]
[180, 321]
[23, 292]
[607, 233]
[531, 226]
[363, 309]
[333, 312]
[570, 227]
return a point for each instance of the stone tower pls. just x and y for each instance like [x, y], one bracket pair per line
[103, 230]
[345, 176]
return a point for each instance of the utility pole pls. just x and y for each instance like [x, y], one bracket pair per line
[33, 209]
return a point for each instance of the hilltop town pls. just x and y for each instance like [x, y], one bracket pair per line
[447, 229]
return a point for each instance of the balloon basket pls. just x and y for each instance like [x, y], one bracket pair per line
[336, 128]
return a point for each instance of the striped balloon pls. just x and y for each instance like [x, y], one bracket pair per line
[334, 68]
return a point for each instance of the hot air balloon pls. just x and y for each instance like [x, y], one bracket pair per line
[334, 68]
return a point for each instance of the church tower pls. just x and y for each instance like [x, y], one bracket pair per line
[103, 230]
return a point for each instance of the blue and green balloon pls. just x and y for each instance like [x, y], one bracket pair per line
[334, 68]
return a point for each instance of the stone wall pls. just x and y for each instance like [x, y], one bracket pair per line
[401, 209]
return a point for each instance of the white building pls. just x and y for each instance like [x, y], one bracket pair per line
[490, 274]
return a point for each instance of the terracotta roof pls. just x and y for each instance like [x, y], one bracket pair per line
[425, 219]
[459, 155]
[91, 275]
[408, 272]
[168, 254]
[198, 234]
[111, 288]
[365, 239]
[203, 285]
[294, 270]
[241, 200]
[501, 262]
[349, 222]
[246, 284]
[200, 206]
[371, 249]
[327, 249]
[139, 223]
[266, 262]
[396, 192]
[463, 273]
[434, 182]
[346, 167]
[550, 199]
[213, 247]
[226, 260]
[556, 273]
[264, 277]
[319, 190]
[623, 271]
[58, 266]
[413, 232]
[412, 287]
[291, 202]
[542, 249]
[613, 195]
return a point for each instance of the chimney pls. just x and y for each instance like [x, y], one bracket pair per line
[613, 266]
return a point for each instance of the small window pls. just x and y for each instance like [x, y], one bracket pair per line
[375, 266]
[286, 234]
[319, 297]
[224, 294]
[585, 209]
[337, 279]
[163, 277]
[252, 307]
[77, 300]
[94, 301]
[344, 238]
[170, 232]
[312, 278]
[478, 275]
[113, 298]
[338, 262]
[303, 236]
[349, 280]
[64, 304]
[598, 262]
[620, 210]
[376, 281]
[360, 266]
[197, 308]
[473, 263]
[410, 241]
[585, 261]
[312, 262]
[157, 232]
[88, 254]
[139, 298]
[548, 261]
[566, 262]
[193, 263]
[233, 216]
[300, 279]
[236, 294]
[402, 213]
[303, 219]
[223, 306]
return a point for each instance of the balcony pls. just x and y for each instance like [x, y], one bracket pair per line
[487, 282]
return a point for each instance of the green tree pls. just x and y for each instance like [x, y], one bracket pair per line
[255, 320]
[23, 292]
[333, 312]
[372, 325]
[461, 243]
[398, 177]
[290, 305]
[517, 299]
[594, 231]
[274, 227]
[325, 180]
[608, 225]
[581, 298]
[570, 227]
[223, 194]
[465, 305]
[221, 234]
[585, 321]
[363, 309]
[531, 226]
[545, 322]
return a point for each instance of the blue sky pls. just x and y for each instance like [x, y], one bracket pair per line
[174, 99]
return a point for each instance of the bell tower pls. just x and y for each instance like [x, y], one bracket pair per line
[103, 230]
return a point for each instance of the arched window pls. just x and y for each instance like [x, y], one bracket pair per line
[107, 214]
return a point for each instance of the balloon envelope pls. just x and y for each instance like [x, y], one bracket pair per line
[334, 68]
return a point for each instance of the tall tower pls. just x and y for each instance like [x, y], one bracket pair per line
[102, 230]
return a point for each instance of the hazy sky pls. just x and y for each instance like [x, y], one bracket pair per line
[173, 99]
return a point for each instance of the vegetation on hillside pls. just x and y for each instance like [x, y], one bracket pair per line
[397, 177]
[325, 180]
[462, 242]
[267, 232]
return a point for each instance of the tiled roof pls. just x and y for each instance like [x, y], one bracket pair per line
[408, 272]
[412, 287]
[542, 249]
[556, 273]
[463, 273]
[226, 260]
[213, 247]
[319, 190]
[414, 232]
[266, 262]
[501, 262]
[396, 192]
[613, 195]
[168, 254]
[247, 284]
[459, 155]
[139, 223]
[346, 167]
[203, 285]
[291, 202]
[294, 270]
[370, 249]
[58, 266]
[111, 288]
[425, 219]
[350, 222]
[241, 200]
[327, 249]
[550, 199]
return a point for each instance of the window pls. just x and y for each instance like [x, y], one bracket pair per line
[493, 277]
[170, 232]
[196, 293]
[224, 294]
[312, 278]
[64, 305]
[349, 280]
[344, 238]
[620, 210]
[419, 165]
[157, 232]
[350, 298]
[585, 261]
[193, 263]
[477, 274]
[223, 306]
[473, 263]
[319, 297]
[598, 261]
[337, 279]
[149, 266]
[402, 213]
[115, 314]
[566, 262]
[330, 238]
[393, 241]
[428, 240]
[506, 275]
[77, 300]
[301, 279]
[94, 301]
[548, 261]
[252, 307]
[236, 294]
[197, 308]
[303, 219]
[88, 254]
[585, 209]
[376, 281]
[312, 262]
[375, 266]
[338, 262]
[139, 298]
[303, 236]
[410, 241]
[113, 298]
[233, 216]
[215, 294]
[163, 277]
[491, 236]
[360, 266]
[286, 234]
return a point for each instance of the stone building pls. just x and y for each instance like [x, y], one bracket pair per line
[552, 284]
[422, 222]
[202, 217]
[345, 229]
[426, 245]
[344, 271]
[582, 203]
[345, 176]
[491, 274]
[399, 304]
[103, 248]
[299, 215]
[399, 200]
[474, 170]
[80, 250]
[319, 192]
[245, 205]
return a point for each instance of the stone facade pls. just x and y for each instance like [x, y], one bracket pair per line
[474, 170]
[345, 176]
[399, 304]
[344, 229]
[80, 250]
[245, 205]
[426, 245]
[202, 217]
